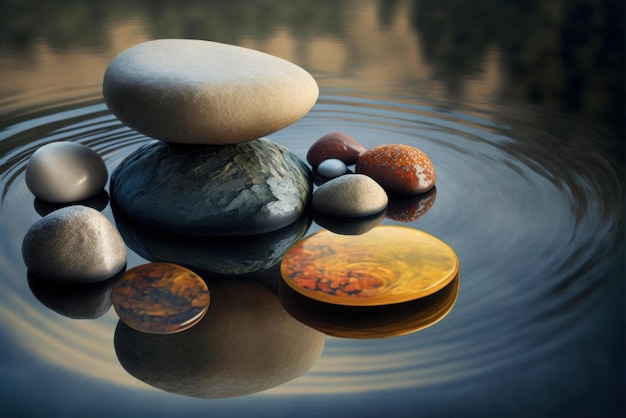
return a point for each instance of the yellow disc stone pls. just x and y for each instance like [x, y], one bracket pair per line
[160, 298]
[388, 264]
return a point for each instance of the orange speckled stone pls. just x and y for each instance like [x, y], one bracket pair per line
[337, 145]
[386, 265]
[398, 168]
[160, 298]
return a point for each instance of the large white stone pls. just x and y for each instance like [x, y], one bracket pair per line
[351, 195]
[75, 244]
[202, 92]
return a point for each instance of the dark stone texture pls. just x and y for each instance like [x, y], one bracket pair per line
[242, 189]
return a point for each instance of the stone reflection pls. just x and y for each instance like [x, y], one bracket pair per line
[98, 202]
[372, 321]
[410, 208]
[223, 255]
[76, 301]
[349, 226]
[246, 343]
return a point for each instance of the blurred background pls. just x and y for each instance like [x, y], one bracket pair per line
[564, 54]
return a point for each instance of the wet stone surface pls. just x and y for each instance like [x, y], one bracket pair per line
[398, 168]
[160, 298]
[241, 189]
[337, 145]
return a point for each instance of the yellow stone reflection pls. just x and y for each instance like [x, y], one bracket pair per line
[387, 265]
[371, 321]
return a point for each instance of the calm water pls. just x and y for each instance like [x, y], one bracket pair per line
[520, 107]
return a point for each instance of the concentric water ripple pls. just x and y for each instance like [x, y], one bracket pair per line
[534, 216]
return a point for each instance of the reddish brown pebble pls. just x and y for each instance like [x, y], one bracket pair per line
[398, 168]
[336, 145]
[160, 298]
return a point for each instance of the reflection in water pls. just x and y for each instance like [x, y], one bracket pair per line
[223, 255]
[370, 322]
[246, 343]
[410, 208]
[348, 226]
[76, 301]
[97, 202]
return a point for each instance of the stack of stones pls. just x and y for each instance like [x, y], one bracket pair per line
[210, 172]
[209, 105]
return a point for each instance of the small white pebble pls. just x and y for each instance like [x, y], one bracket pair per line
[65, 172]
[332, 168]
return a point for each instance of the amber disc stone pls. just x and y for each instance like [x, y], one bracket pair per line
[160, 298]
[388, 264]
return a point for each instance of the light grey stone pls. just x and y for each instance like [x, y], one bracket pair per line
[351, 195]
[241, 189]
[64, 172]
[75, 244]
[332, 168]
[202, 92]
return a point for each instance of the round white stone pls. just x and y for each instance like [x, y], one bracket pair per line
[332, 168]
[202, 92]
[65, 172]
[351, 195]
[75, 244]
